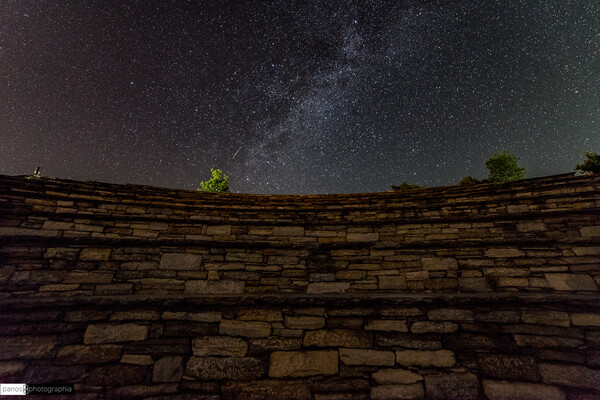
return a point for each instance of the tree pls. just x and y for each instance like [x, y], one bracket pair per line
[218, 183]
[468, 181]
[503, 168]
[591, 163]
[405, 186]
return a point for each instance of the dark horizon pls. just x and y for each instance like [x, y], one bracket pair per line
[296, 97]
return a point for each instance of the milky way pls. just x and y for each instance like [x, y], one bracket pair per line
[296, 97]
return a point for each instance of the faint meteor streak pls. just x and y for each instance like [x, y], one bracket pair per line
[238, 150]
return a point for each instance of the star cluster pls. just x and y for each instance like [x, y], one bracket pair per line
[296, 96]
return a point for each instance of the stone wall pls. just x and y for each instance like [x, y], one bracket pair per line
[487, 291]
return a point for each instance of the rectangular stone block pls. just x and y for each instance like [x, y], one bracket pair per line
[426, 358]
[574, 376]
[286, 364]
[168, 369]
[219, 346]
[504, 253]
[439, 264]
[16, 347]
[392, 282]
[244, 328]
[234, 368]
[95, 254]
[362, 237]
[80, 354]
[327, 287]
[367, 357]
[502, 390]
[214, 287]
[209, 316]
[338, 338]
[304, 322]
[109, 333]
[508, 366]
[288, 231]
[450, 314]
[557, 318]
[260, 315]
[180, 261]
[395, 392]
[386, 325]
[396, 376]
[218, 230]
[266, 389]
[452, 387]
[433, 327]
[573, 282]
[585, 319]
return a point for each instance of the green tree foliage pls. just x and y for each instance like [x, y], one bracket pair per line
[405, 186]
[218, 183]
[591, 163]
[469, 180]
[503, 168]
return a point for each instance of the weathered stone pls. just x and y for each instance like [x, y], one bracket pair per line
[362, 237]
[275, 343]
[570, 375]
[218, 230]
[208, 368]
[400, 312]
[474, 284]
[214, 287]
[55, 374]
[62, 252]
[504, 253]
[189, 328]
[586, 251]
[426, 358]
[396, 392]
[502, 390]
[260, 315]
[114, 289]
[557, 318]
[429, 326]
[288, 231]
[367, 357]
[219, 346]
[386, 325]
[79, 354]
[209, 316]
[266, 390]
[137, 359]
[590, 231]
[168, 369]
[6, 273]
[180, 261]
[571, 282]
[94, 254]
[16, 347]
[408, 341]
[302, 322]
[391, 282]
[396, 376]
[10, 371]
[303, 363]
[452, 387]
[88, 277]
[505, 317]
[446, 314]
[340, 384]
[508, 366]
[149, 315]
[244, 328]
[108, 333]
[531, 226]
[116, 375]
[546, 341]
[439, 264]
[322, 277]
[337, 338]
[58, 287]
[328, 287]
[585, 319]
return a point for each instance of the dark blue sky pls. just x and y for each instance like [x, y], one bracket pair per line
[296, 96]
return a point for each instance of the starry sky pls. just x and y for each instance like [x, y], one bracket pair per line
[296, 97]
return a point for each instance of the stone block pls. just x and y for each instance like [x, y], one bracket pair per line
[396, 392]
[137, 359]
[181, 261]
[189, 328]
[275, 343]
[53, 373]
[286, 364]
[585, 319]
[531, 226]
[211, 368]
[58, 225]
[439, 264]
[209, 316]
[502, 390]
[504, 253]
[508, 366]
[504, 317]
[322, 277]
[426, 358]
[433, 327]
[218, 230]
[396, 376]
[80, 354]
[570, 375]
[260, 315]
[362, 237]
[590, 231]
[474, 285]
[11, 371]
[109, 333]
[18, 347]
[586, 251]
[450, 314]
[266, 390]
[340, 384]
[557, 318]
[168, 369]
[288, 231]
[94, 254]
[327, 287]
[367, 357]
[304, 322]
[149, 315]
[337, 338]
[88, 277]
[214, 287]
[85, 315]
[392, 282]
[219, 346]
[452, 387]
[571, 282]
[386, 325]
[546, 341]
[244, 328]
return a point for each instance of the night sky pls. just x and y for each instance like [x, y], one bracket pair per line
[296, 96]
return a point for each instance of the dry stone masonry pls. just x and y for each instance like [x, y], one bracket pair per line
[481, 292]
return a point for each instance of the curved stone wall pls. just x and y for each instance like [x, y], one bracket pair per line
[488, 291]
